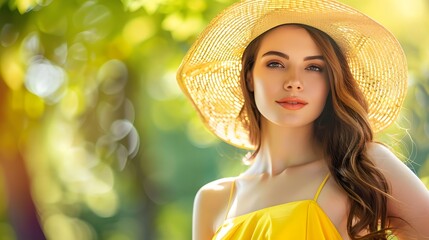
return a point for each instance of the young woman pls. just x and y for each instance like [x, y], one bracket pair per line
[304, 84]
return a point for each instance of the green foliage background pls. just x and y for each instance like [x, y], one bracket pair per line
[113, 149]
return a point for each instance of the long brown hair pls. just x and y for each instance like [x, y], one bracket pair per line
[343, 130]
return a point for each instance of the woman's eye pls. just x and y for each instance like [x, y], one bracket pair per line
[274, 65]
[314, 68]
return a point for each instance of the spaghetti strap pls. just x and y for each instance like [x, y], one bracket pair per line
[231, 193]
[316, 196]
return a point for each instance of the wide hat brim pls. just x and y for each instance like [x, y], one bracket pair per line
[210, 72]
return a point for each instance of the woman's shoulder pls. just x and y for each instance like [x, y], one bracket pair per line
[409, 199]
[390, 165]
[384, 158]
[395, 170]
[211, 203]
[379, 152]
[216, 189]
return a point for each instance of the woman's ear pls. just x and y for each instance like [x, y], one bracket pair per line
[249, 81]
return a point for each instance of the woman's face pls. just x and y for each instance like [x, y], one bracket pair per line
[289, 78]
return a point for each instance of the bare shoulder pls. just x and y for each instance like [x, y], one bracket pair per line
[210, 206]
[214, 193]
[410, 197]
[403, 181]
[381, 155]
[389, 163]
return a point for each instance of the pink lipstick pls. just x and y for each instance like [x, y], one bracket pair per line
[292, 103]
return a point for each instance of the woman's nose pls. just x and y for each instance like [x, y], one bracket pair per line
[293, 83]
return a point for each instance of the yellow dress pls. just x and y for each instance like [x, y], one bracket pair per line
[296, 220]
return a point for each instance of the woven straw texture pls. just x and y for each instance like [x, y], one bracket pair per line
[210, 72]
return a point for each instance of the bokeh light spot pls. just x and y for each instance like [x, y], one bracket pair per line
[113, 76]
[138, 30]
[11, 70]
[72, 104]
[45, 79]
[164, 88]
[68, 228]
[183, 27]
[78, 52]
[8, 35]
[47, 191]
[104, 205]
[25, 5]
[31, 47]
[121, 128]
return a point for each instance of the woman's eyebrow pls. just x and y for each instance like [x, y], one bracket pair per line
[284, 55]
[319, 57]
[276, 53]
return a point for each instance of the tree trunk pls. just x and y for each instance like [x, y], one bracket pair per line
[22, 211]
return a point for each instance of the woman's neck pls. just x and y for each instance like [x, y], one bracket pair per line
[285, 148]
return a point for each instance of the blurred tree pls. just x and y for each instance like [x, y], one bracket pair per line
[21, 209]
[65, 96]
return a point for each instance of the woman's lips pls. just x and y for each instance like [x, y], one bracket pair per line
[292, 103]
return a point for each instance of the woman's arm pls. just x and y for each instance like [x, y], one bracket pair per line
[410, 197]
[210, 208]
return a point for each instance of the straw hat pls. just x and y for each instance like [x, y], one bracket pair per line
[210, 71]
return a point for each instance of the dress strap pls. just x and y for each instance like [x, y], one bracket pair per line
[316, 196]
[231, 194]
